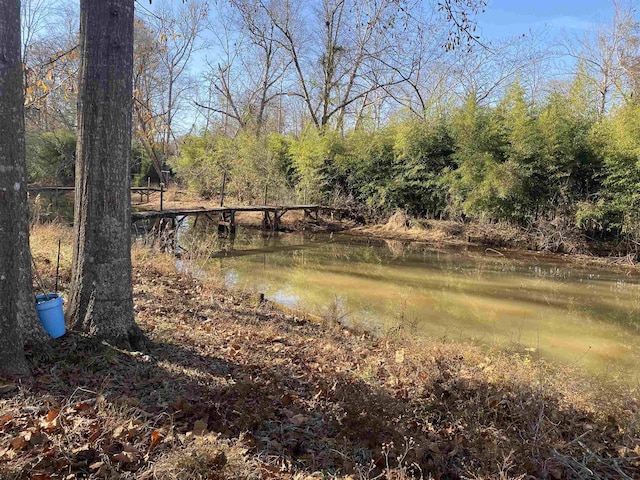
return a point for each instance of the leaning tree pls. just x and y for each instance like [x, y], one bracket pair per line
[101, 302]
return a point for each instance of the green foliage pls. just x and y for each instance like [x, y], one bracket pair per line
[259, 162]
[250, 163]
[365, 168]
[571, 163]
[618, 140]
[279, 146]
[481, 185]
[202, 162]
[399, 166]
[423, 152]
[51, 157]
[313, 155]
[518, 164]
[141, 166]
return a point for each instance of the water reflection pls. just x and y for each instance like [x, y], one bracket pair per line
[570, 314]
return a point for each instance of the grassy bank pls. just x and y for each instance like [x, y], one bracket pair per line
[233, 388]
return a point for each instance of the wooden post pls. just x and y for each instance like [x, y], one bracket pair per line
[232, 223]
[265, 194]
[221, 223]
[148, 188]
[161, 195]
[224, 185]
[276, 221]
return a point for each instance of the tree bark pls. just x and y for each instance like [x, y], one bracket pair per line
[101, 302]
[14, 235]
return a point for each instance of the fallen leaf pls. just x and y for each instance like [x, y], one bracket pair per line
[40, 476]
[96, 431]
[118, 431]
[79, 407]
[156, 438]
[124, 457]
[132, 430]
[287, 399]
[400, 356]
[18, 442]
[51, 416]
[199, 428]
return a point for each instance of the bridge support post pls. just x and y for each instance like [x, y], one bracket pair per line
[276, 219]
[227, 223]
[266, 220]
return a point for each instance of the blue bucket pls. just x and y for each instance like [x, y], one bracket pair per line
[49, 310]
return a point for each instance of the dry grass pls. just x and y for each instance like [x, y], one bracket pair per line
[400, 226]
[234, 388]
[495, 237]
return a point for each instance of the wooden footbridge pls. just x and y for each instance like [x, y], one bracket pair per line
[226, 216]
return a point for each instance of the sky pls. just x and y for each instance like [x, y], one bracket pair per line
[506, 18]
[548, 20]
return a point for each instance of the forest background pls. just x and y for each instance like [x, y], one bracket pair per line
[371, 105]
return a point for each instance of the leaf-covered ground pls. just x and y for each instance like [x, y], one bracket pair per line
[233, 388]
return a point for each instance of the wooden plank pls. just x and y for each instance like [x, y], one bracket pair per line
[272, 213]
[50, 189]
[71, 189]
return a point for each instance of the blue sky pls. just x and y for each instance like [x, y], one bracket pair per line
[505, 18]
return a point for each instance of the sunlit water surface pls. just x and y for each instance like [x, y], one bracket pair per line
[588, 317]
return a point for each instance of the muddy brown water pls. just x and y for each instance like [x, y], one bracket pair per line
[588, 317]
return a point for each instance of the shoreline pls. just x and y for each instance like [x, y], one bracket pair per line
[448, 234]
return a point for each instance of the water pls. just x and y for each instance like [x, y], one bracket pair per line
[584, 316]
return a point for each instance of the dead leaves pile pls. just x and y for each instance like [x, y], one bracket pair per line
[65, 440]
[230, 388]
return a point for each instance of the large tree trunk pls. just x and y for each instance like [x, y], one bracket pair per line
[101, 301]
[14, 236]
[34, 336]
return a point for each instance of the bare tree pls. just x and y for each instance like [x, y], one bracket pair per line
[178, 28]
[345, 56]
[245, 86]
[149, 85]
[485, 72]
[49, 42]
[599, 53]
[629, 50]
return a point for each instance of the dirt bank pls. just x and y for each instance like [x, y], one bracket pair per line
[500, 238]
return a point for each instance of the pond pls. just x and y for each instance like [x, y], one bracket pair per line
[588, 317]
